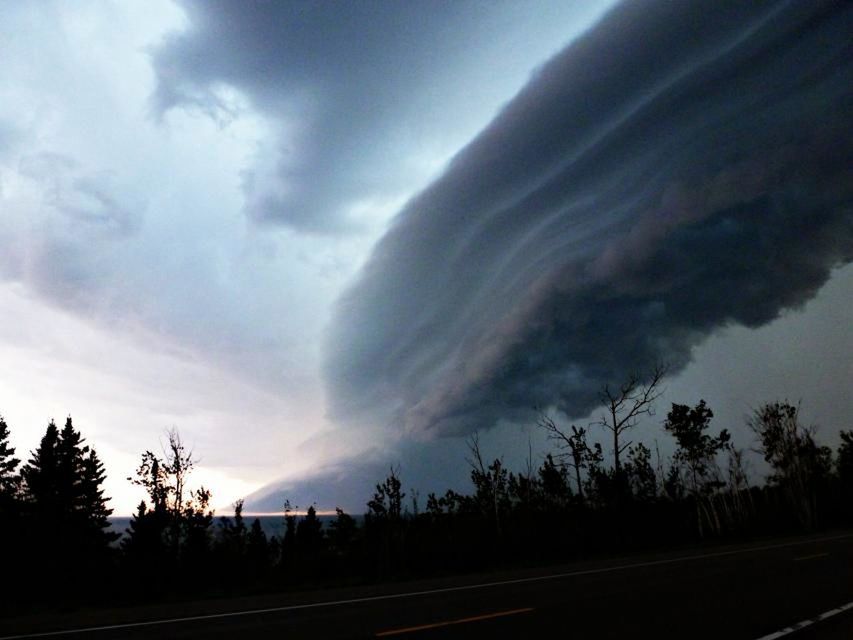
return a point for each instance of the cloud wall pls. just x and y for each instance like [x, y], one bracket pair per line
[679, 168]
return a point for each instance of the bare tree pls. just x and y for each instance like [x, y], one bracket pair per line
[490, 481]
[178, 463]
[626, 404]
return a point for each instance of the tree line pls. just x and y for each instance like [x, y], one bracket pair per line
[577, 501]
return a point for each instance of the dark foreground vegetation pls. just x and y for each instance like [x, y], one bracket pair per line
[58, 549]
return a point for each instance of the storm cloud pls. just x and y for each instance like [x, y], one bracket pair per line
[351, 89]
[679, 168]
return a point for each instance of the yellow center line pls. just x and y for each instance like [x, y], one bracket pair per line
[811, 557]
[434, 625]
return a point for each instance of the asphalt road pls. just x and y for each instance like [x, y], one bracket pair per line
[752, 591]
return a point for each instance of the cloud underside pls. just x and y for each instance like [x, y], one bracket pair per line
[341, 83]
[679, 168]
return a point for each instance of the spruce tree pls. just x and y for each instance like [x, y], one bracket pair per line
[309, 534]
[66, 507]
[144, 546]
[40, 478]
[257, 548]
[39, 550]
[10, 512]
[93, 503]
[9, 480]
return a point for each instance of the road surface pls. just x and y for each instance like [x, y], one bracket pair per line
[796, 588]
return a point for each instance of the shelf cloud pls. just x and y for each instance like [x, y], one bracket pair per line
[678, 168]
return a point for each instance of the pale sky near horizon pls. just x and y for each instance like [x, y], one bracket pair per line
[268, 225]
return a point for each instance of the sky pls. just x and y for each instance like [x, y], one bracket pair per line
[322, 239]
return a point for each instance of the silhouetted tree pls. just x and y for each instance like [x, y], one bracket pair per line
[196, 518]
[40, 476]
[844, 465]
[93, 502]
[554, 482]
[181, 519]
[448, 504]
[257, 548]
[384, 524]
[697, 452]
[67, 512]
[232, 534]
[145, 545]
[288, 542]
[176, 466]
[641, 473]
[11, 531]
[490, 485]
[387, 501]
[798, 463]
[309, 536]
[844, 461]
[626, 404]
[63, 485]
[342, 531]
[742, 506]
[9, 478]
[673, 483]
[578, 455]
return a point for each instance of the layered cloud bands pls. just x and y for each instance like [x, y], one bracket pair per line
[681, 167]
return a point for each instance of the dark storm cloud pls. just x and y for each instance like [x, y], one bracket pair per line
[681, 167]
[341, 77]
[361, 96]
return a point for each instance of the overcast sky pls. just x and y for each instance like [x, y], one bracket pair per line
[323, 238]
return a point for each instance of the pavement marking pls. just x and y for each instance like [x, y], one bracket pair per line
[426, 592]
[436, 625]
[811, 557]
[805, 623]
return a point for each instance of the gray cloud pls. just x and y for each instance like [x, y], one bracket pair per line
[354, 88]
[679, 168]
[423, 467]
[83, 197]
[8, 137]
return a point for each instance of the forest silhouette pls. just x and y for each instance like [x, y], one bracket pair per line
[580, 501]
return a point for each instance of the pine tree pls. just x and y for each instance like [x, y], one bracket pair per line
[144, 545]
[40, 478]
[40, 504]
[257, 548]
[9, 479]
[309, 534]
[66, 508]
[342, 531]
[10, 510]
[93, 503]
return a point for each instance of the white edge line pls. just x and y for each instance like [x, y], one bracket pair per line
[800, 625]
[413, 594]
